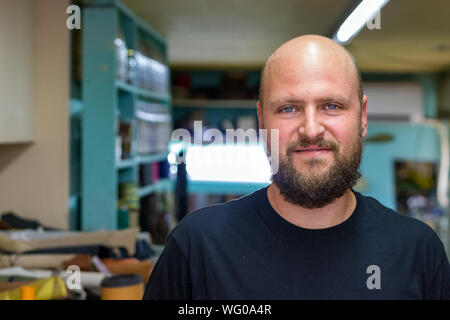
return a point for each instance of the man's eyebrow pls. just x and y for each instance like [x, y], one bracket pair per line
[335, 98]
[285, 100]
[293, 100]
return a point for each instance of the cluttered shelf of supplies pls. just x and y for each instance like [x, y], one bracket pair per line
[132, 100]
[121, 198]
[207, 95]
[144, 114]
[144, 129]
[148, 94]
[42, 263]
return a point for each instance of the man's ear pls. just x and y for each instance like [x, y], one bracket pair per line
[260, 114]
[364, 117]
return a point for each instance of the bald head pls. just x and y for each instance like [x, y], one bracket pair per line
[311, 51]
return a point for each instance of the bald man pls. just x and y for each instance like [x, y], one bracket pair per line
[308, 235]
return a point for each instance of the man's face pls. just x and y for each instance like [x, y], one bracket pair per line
[321, 123]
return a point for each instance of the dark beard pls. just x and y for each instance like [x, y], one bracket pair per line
[316, 191]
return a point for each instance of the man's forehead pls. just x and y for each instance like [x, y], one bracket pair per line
[310, 45]
[309, 58]
[295, 73]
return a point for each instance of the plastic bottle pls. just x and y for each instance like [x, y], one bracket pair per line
[28, 293]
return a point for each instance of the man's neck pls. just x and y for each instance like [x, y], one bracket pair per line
[328, 216]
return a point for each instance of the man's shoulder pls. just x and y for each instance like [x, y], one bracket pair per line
[219, 211]
[210, 219]
[401, 224]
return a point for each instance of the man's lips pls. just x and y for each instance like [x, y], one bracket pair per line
[312, 149]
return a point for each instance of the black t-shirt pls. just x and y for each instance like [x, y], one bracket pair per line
[243, 249]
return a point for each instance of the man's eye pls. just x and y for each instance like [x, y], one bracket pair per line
[331, 107]
[287, 109]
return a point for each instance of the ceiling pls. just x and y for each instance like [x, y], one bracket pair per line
[414, 34]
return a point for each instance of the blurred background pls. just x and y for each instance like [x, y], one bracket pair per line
[86, 114]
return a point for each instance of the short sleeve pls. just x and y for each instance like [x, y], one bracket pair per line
[440, 285]
[170, 278]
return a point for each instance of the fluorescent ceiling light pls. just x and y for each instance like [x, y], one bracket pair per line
[364, 12]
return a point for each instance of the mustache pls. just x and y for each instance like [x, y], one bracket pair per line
[305, 143]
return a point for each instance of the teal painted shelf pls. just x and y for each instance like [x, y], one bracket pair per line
[76, 107]
[215, 103]
[125, 86]
[107, 102]
[140, 23]
[152, 158]
[157, 187]
[130, 163]
[127, 163]
[165, 98]
[223, 187]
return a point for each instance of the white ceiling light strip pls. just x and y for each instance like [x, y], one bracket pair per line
[363, 13]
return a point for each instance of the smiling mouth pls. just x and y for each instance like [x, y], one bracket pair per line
[312, 149]
[312, 152]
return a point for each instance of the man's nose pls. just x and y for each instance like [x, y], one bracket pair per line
[311, 125]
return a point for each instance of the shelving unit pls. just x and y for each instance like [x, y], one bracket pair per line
[204, 93]
[76, 109]
[126, 163]
[163, 98]
[107, 101]
[159, 186]
[224, 188]
[217, 103]
[152, 158]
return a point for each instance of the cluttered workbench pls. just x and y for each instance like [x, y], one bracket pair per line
[45, 264]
